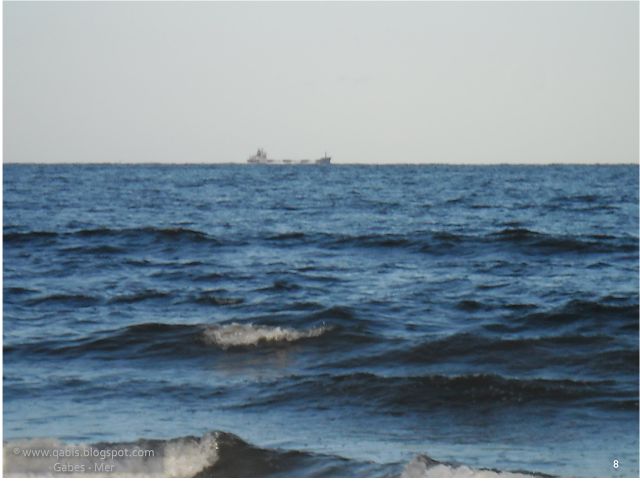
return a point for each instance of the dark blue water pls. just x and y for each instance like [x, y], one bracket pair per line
[327, 321]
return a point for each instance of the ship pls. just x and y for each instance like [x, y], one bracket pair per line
[261, 158]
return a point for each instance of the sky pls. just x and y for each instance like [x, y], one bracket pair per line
[367, 82]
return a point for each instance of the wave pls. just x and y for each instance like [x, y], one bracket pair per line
[438, 242]
[233, 335]
[533, 352]
[430, 242]
[74, 300]
[577, 313]
[141, 296]
[422, 466]
[10, 238]
[157, 340]
[139, 341]
[551, 243]
[181, 457]
[164, 233]
[287, 236]
[281, 286]
[588, 198]
[471, 305]
[581, 312]
[145, 234]
[215, 454]
[579, 338]
[19, 291]
[210, 299]
[97, 250]
[393, 394]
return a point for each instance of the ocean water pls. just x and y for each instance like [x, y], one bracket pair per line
[324, 320]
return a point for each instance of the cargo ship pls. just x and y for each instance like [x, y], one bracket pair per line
[261, 158]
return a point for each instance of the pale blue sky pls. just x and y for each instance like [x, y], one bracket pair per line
[451, 82]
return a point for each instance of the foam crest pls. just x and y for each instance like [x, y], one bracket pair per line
[424, 467]
[185, 457]
[181, 458]
[234, 334]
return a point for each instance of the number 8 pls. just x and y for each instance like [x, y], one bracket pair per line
[615, 464]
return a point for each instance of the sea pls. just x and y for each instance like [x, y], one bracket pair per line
[321, 321]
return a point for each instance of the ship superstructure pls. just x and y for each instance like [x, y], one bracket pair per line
[261, 158]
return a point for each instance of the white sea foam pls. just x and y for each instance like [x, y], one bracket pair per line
[184, 458]
[235, 334]
[181, 458]
[424, 467]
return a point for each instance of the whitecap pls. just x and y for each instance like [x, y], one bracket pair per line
[175, 458]
[234, 334]
[424, 467]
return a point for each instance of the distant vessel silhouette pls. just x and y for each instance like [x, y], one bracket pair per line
[261, 158]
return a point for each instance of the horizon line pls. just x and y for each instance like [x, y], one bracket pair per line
[323, 165]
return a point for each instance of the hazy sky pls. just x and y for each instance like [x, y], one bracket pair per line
[451, 82]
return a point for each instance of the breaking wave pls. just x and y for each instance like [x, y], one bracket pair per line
[215, 454]
[423, 466]
[232, 335]
[181, 457]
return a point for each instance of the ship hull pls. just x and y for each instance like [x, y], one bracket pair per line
[261, 158]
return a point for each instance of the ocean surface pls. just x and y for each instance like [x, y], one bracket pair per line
[324, 320]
